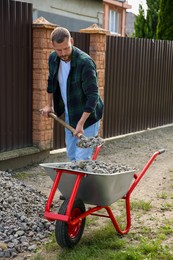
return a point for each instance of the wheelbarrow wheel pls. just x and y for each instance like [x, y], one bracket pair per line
[69, 235]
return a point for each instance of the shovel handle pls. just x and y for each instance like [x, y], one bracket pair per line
[63, 123]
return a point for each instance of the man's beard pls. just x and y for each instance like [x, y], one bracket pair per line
[65, 58]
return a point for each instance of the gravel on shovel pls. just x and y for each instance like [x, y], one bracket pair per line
[93, 142]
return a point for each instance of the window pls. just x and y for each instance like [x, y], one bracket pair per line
[34, 14]
[113, 21]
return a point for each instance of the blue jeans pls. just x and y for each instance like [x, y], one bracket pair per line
[76, 153]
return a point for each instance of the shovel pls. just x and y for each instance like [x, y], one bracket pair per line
[84, 142]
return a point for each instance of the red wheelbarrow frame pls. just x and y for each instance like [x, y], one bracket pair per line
[67, 217]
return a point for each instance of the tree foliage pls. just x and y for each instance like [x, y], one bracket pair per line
[152, 18]
[147, 27]
[165, 21]
[140, 24]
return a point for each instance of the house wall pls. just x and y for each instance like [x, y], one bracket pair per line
[74, 14]
[120, 7]
[130, 20]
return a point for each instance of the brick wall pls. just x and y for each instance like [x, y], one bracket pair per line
[42, 127]
[98, 54]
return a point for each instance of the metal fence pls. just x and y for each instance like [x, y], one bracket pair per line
[81, 40]
[138, 85]
[138, 81]
[15, 75]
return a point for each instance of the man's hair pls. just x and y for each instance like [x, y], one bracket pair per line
[59, 34]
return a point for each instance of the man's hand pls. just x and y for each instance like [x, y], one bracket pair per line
[45, 110]
[80, 125]
[79, 129]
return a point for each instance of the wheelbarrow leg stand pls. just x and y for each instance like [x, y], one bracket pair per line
[53, 190]
[128, 217]
[54, 216]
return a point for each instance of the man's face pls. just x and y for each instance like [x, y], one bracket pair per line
[64, 49]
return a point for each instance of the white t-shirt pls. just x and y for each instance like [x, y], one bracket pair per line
[63, 72]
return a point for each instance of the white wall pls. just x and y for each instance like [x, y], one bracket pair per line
[90, 10]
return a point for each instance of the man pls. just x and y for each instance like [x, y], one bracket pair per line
[73, 90]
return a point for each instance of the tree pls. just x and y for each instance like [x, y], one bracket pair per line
[140, 24]
[165, 21]
[147, 27]
[152, 19]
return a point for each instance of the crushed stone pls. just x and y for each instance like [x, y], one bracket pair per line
[22, 225]
[98, 167]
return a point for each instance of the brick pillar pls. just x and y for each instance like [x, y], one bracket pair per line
[42, 134]
[98, 54]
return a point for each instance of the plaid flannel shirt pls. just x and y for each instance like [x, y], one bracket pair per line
[82, 88]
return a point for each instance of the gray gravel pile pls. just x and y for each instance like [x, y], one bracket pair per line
[97, 167]
[22, 226]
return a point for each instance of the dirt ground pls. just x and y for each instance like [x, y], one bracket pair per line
[134, 150]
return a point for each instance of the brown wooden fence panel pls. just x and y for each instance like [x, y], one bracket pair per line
[138, 85]
[15, 75]
[81, 41]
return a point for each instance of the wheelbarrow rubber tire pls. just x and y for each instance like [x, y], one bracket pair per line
[69, 235]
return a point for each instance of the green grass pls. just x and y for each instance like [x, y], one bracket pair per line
[138, 205]
[52, 244]
[25, 175]
[105, 243]
[167, 207]
[39, 257]
[22, 176]
[167, 229]
[163, 195]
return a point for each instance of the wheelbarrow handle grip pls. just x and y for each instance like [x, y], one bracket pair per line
[161, 151]
[141, 174]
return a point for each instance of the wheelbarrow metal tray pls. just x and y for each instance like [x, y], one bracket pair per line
[95, 189]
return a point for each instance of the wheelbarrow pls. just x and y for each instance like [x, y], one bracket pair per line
[98, 190]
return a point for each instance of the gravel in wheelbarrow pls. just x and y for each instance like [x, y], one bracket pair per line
[97, 167]
[103, 184]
